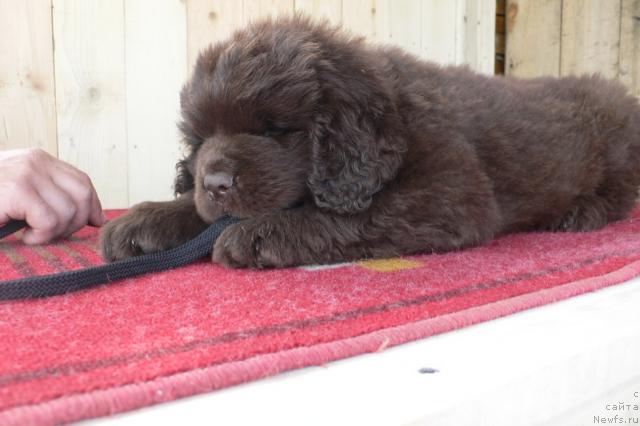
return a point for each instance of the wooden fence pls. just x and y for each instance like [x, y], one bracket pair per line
[563, 37]
[96, 82]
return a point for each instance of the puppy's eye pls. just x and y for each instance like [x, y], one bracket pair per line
[194, 141]
[274, 131]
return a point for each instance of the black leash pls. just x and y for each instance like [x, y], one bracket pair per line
[11, 227]
[66, 282]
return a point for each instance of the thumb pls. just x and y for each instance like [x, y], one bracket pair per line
[96, 216]
[4, 219]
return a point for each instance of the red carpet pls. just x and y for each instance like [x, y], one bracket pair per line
[161, 337]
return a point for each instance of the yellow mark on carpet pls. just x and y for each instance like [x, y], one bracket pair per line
[389, 265]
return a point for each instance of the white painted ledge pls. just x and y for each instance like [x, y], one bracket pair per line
[560, 364]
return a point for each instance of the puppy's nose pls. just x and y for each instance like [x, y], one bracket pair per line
[218, 184]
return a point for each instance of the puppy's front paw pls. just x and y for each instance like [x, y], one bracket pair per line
[146, 228]
[126, 236]
[253, 243]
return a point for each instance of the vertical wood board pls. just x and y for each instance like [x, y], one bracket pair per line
[533, 37]
[27, 93]
[90, 93]
[156, 68]
[590, 37]
[630, 45]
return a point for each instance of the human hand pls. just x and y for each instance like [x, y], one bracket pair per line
[53, 197]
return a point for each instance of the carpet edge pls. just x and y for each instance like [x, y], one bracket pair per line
[127, 397]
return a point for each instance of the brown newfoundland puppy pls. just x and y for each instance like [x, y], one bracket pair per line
[334, 150]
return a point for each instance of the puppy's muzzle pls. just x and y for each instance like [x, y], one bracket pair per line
[218, 185]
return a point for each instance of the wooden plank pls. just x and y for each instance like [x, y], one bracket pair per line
[156, 68]
[590, 37]
[500, 44]
[321, 9]
[382, 21]
[90, 93]
[460, 29]
[358, 16]
[501, 30]
[500, 24]
[479, 35]
[256, 9]
[405, 25]
[210, 21]
[533, 37]
[499, 68]
[27, 94]
[440, 30]
[630, 45]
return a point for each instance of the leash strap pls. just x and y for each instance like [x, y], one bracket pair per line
[11, 227]
[67, 282]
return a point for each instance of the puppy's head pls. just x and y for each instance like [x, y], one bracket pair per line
[287, 112]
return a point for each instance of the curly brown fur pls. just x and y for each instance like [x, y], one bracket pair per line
[339, 151]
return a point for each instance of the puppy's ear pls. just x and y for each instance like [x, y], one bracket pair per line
[357, 143]
[184, 181]
[194, 116]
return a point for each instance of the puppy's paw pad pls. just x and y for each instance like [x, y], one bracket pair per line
[117, 243]
[247, 245]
